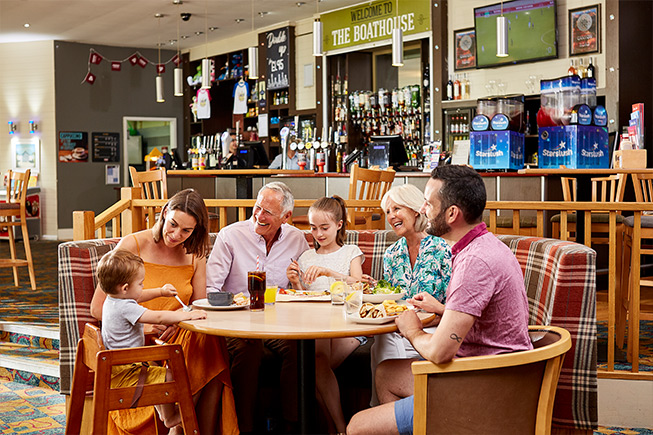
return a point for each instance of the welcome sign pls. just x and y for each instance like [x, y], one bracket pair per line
[374, 21]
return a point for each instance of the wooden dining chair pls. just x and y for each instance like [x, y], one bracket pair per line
[604, 189]
[154, 185]
[636, 230]
[93, 364]
[506, 393]
[14, 214]
[369, 184]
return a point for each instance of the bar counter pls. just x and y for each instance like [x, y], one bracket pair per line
[305, 184]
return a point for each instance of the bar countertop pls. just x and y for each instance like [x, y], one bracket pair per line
[307, 173]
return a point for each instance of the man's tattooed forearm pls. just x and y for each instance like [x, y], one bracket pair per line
[454, 336]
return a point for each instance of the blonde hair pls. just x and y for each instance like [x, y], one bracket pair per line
[407, 195]
[116, 268]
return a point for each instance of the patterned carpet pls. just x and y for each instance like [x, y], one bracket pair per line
[22, 303]
[28, 410]
[645, 348]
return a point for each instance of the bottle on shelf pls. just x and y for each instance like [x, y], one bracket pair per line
[581, 70]
[456, 88]
[591, 71]
[572, 69]
[465, 87]
[450, 89]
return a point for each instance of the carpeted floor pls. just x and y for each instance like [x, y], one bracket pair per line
[28, 410]
[22, 303]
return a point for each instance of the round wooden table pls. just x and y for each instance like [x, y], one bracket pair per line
[301, 321]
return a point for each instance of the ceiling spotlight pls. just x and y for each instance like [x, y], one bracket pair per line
[177, 2]
[26, 25]
[199, 33]
[239, 20]
[262, 14]
[185, 36]
[213, 28]
[300, 4]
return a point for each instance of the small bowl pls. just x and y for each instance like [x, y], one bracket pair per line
[220, 299]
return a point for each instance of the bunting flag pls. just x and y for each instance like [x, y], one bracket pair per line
[137, 58]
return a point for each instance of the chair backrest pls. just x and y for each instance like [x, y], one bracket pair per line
[643, 187]
[507, 393]
[569, 192]
[609, 189]
[16, 184]
[370, 184]
[153, 183]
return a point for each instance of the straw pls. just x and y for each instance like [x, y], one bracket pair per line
[257, 263]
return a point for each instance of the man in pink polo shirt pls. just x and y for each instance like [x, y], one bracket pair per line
[486, 312]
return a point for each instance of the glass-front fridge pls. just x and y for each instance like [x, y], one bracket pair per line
[457, 124]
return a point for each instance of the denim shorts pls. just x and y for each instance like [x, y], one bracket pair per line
[404, 415]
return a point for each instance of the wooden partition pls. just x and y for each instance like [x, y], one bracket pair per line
[125, 217]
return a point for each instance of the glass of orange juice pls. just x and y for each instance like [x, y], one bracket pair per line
[271, 294]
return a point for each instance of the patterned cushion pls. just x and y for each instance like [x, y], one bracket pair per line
[560, 280]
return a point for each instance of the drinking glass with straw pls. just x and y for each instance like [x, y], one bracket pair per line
[256, 283]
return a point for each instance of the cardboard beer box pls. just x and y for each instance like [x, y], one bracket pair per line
[496, 150]
[574, 146]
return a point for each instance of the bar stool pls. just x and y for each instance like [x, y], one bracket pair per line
[14, 208]
[92, 357]
[629, 310]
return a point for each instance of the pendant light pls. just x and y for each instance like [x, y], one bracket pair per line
[206, 63]
[179, 73]
[159, 80]
[317, 32]
[252, 53]
[397, 42]
[502, 35]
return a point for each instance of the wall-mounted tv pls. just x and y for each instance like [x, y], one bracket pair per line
[532, 32]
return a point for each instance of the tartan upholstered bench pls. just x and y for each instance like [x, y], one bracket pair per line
[560, 282]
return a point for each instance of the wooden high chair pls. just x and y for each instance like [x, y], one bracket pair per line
[14, 213]
[92, 357]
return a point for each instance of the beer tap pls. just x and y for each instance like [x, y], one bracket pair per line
[284, 147]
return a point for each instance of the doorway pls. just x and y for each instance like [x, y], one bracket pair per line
[145, 136]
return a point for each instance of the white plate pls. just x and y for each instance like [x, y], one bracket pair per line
[204, 305]
[281, 297]
[370, 320]
[377, 299]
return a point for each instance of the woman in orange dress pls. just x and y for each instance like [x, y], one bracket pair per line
[174, 253]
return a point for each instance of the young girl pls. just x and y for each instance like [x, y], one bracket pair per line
[121, 276]
[317, 269]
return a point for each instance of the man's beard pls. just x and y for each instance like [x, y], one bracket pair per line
[438, 225]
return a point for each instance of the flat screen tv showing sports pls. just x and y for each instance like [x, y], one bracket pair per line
[532, 32]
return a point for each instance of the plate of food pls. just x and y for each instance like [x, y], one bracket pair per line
[383, 291]
[378, 314]
[291, 295]
[240, 301]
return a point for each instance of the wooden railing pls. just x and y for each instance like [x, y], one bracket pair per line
[126, 216]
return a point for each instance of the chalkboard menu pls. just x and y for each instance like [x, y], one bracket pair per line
[106, 147]
[278, 58]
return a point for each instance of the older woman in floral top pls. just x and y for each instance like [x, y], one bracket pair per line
[417, 262]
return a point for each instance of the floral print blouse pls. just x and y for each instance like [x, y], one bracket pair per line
[431, 272]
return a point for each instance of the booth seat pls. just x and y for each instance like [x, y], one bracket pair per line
[559, 278]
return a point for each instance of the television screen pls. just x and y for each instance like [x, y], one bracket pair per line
[386, 151]
[532, 32]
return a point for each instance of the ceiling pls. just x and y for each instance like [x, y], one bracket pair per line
[132, 23]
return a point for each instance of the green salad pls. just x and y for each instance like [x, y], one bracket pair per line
[383, 287]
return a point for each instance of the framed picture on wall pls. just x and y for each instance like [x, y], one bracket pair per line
[584, 30]
[465, 48]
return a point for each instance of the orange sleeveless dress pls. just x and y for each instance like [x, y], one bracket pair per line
[206, 356]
